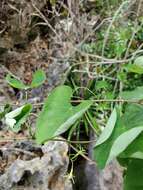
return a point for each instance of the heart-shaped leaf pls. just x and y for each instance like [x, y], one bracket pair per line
[58, 114]
[16, 118]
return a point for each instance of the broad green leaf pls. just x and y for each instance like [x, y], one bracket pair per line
[101, 152]
[39, 78]
[58, 114]
[138, 155]
[124, 126]
[133, 116]
[123, 161]
[108, 129]
[133, 179]
[139, 61]
[15, 82]
[137, 66]
[136, 94]
[134, 68]
[17, 117]
[135, 149]
[123, 141]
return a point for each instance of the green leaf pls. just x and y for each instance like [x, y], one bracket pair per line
[92, 121]
[134, 117]
[129, 125]
[135, 149]
[16, 118]
[136, 94]
[102, 85]
[123, 141]
[136, 67]
[123, 161]
[7, 108]
[58, 114]
[133, 68]
[133, 179]
[101, 152]
[15, 82]
[108, 129]
[139, 61]
[39, 78]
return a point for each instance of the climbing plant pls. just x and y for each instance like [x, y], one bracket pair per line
[121, 139]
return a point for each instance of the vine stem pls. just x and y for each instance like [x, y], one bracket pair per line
[81, 100]
[74, 142]
[100, 100]
[110, 100]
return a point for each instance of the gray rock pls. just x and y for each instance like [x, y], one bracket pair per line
[40, 173]
[109, 178]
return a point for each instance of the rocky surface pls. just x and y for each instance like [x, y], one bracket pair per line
[89, 177]
[15, 21]
[108, 179]
[111, 177]
[24, 49]
[32, 172]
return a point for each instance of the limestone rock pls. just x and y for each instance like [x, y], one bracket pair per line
[40, 173]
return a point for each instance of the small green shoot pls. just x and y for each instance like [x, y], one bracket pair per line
[39, 78]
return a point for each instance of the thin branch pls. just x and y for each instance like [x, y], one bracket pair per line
[81, 100]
